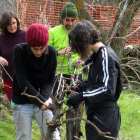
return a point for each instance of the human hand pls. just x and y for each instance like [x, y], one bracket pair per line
[66, 50]
[79, 87]
[78, 63]
[47, 103]
[3, 61]
[81, 62]
[75, 99]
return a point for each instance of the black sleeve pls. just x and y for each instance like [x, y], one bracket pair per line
[21, 74]
[105, 87]
[46, 90]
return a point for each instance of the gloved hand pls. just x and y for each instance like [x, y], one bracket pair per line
[75, 99]
[47, 103]
[79, 87]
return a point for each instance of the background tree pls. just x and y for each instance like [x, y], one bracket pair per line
[126, 12]
[7, 5]
[123, 20]
[115, 31]
[119, 33]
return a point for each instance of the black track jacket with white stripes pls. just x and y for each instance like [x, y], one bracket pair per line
[105, 81]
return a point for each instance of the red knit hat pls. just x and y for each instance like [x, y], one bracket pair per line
[37, 35]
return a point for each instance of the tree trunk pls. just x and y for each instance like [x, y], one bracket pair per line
[84, 14]
[124, 26]
[122, 29]
[7, 5]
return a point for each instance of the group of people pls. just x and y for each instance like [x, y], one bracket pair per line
[29, 60]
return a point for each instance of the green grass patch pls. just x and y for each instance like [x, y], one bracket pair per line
[7, 128]
[130, 125]
[130, 116]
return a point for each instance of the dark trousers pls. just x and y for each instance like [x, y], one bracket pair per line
[107, 120]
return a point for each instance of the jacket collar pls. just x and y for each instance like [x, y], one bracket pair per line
[93, 56]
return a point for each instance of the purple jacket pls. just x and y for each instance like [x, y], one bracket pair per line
[7, 43]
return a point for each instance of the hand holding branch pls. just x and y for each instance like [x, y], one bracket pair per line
[66, 50]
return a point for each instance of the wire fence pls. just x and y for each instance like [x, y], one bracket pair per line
[48, 12]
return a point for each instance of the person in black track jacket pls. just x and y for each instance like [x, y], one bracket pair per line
[104, 84]
[35, 66]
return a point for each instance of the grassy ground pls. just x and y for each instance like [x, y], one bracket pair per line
[130, 111]
[7, 129]
[130, 128]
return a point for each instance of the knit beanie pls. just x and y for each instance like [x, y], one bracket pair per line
[37, 35]
[69, 10]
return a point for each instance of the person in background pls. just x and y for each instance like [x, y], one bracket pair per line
[11, 34]
[35, 66]
[67, 60]
[59, 39]
[104, 84]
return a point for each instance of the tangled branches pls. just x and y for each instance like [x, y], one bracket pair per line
[55, 122]
[57, 105]
[130, 64]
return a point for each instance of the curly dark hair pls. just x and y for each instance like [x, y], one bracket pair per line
[6, 19]
[82, 34]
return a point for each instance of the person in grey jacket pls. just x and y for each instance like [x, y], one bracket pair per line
[104, 84]
[34, 68]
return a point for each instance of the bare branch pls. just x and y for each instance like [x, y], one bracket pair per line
[103, 134]
[119, 20]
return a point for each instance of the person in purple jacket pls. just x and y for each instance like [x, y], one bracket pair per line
[11, 34]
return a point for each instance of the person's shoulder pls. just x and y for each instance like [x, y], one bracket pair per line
[22, 31]
[106, 48]
[111, 54]
[56, 28]
[110, 50]
[51, 48]
[20, 46]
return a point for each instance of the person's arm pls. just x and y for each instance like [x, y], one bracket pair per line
[3, 61]
[66, 50]
[22, 77]
[75, 99]
[46, 90]
[47, 87]
[106, 81]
